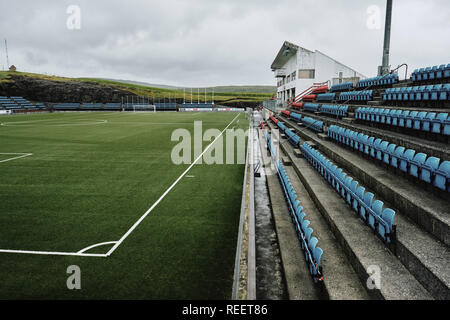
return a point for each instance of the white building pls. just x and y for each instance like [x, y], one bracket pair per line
[297, 69]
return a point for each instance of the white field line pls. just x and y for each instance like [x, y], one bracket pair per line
[87, 122]
[54, 253]
[82, 253]
[95, 246]
[118, 243]
[21, 155]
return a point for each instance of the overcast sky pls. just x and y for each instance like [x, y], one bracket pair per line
[214, 42]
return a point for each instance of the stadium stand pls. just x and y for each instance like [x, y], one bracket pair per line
[326, 97]
[433, 122]
[378, 81]
[309, 244]
[393, 139]
[321, 89]
[311, 107]
[297, 105]
[370, 210]
[113, 106]
[342, 86]
[309, 97]
[417, 165]
[431, 73]
[19, 104]
[335, 110]
[66, 106]
[197, 105]
[365, 95]
[92, 106]
[438, 92]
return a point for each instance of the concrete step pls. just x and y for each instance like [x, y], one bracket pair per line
[427, 210]
[362, 248]
[340, 279]
[418, 250]
[299, 283]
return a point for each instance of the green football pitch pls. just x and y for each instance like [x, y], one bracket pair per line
[71, 181]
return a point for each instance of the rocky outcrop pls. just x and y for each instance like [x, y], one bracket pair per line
[43, 90]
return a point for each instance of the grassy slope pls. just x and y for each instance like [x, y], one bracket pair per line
[89, 184]
[228, 96]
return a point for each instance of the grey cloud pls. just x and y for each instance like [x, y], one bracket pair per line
[204, 42]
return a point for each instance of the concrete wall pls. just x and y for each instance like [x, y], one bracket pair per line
[326, 69]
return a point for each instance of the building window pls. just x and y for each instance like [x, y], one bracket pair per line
[306, 73]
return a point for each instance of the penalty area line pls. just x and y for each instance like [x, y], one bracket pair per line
[119, 242]
[21, 155]
[55, 253]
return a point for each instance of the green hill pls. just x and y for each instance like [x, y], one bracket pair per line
[49, 88]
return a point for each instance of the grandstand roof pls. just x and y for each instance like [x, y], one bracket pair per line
[287, 51]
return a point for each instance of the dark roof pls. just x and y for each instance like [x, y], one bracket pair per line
[286, 52]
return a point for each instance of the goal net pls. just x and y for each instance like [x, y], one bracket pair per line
[144, 107]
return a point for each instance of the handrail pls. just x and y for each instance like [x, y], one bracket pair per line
[305, 92]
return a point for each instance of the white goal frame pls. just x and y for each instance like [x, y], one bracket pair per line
[144, 107]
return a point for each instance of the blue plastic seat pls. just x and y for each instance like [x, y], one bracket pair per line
[414, 75]
[410, 118]
[395, 158]
[426, 72]
[387, 216]
[367, 203]
[359, 199]
[420, 74]
[426, 122]
[444, 93]
[438, 123]
[406, 159]
[395, 117]
[432, 73]
[419, 93]
[417, 125]
[318, 252]
[381, 150]
[389, 116]
[374, 148]
[389, 153]
[442, 176]
[347, 184]
[416, 163]
[435, 92]
[402, 118]
[363, 141]
[428, 169]
[377, 207]
[386, 95]
[426, 95]
[447, 71]
[368, 147]
[401, 93]
[384, 115]
[378, 113]
[440, 71]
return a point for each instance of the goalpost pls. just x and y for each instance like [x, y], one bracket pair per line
[144, 107]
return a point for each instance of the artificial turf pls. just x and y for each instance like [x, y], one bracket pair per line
[91, 177]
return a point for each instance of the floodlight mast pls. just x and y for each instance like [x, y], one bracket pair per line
[384, 68]
[7, 58]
